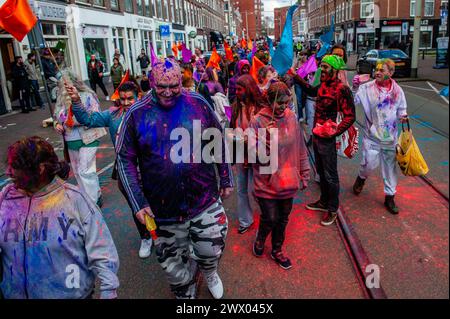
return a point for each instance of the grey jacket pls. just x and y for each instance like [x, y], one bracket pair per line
[54, 244]
[32, 71]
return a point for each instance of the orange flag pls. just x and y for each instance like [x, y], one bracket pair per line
[125, 78]
[243, 43]
[250, 44]
[214, 60]
[256, 65]
[17, 18]
[228, 51]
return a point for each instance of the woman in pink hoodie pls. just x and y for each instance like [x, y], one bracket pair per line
[289, 172]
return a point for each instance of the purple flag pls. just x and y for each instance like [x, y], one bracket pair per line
[254, 49]
[228, 112]
[308, 67]
[153, 57]
[186, 54]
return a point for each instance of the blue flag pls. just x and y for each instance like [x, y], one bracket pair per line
[284, 55]
[271, 50]
[326, 40]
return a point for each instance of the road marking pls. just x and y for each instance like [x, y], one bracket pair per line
[437, 92]
[416, 88]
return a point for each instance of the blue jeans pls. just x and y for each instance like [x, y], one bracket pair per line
[244, 185]
[298, 94]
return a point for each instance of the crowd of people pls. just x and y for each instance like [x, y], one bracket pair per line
[186, 199]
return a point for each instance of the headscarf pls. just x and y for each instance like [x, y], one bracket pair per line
[335, 62]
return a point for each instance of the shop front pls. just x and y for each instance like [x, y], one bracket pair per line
[365, 37]
[95, 41]
[179, 33]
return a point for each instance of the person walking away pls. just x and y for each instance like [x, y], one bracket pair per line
[184, 197]
[73, 248]
[117, 72]
[95, 74]
[275, 190]
[333, 96]
[33, 78]
[112, 118]
[82, 143]
[384, 105]
[20, 77]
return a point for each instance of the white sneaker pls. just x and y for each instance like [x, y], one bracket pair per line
[107, 98]
[215, 286]
[146, 248]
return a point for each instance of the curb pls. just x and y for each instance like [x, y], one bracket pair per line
[9, 114]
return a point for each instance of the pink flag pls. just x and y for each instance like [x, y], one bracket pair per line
[153, 57]
[186, 54]
[308, 67]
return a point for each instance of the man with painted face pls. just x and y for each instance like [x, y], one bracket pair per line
[112, 118]
[182, 194]
[384, 104]
[332, 96]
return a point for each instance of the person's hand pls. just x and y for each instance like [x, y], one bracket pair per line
[356, 82]
[140, 215]
[226, 192]
[73, 92]
[100, 74]
[404, 119]
[59, 128]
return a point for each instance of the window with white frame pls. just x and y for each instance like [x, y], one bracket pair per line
[367, 9]
[429, 8]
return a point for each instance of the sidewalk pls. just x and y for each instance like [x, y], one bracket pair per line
[426, 71]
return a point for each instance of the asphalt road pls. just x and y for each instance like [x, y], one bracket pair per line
[411, 249]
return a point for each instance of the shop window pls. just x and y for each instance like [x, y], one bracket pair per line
[47, 29]
[61, 29]
[115, 4]
[97, 47]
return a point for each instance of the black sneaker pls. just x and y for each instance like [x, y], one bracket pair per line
[281, 260]
[390, 205]
[243, 229]
[358, 186]
[32, 109]
[25, 111]
[317, 206]
[258, 248]
[328, 218]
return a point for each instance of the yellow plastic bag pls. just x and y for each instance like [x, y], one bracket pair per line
[409, 158]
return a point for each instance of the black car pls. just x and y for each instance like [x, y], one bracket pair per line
[367, 63]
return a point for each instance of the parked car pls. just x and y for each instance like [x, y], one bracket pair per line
[367, 63]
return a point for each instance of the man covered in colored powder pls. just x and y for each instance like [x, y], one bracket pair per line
[384, 104]
[183, 197]
[332, 96]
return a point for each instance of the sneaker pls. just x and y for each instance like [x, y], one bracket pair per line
[244, 229]
[358, 186]
[32, 109]
[317, 206]
[390, 205]
[281, 260]
[25, 111]
[328, 218]
[215, 285]
[258, 248]
[146, 248]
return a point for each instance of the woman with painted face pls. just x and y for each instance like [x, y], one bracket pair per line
[275, 188]
[112, 118]
[339, 50]
[249, 101]
[266, 76]
[63, 243]
[384, 104]
[242, 68]
[82, 143]
[211, 80]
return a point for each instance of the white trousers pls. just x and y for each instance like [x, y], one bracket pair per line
[372, 155]
[85, 170]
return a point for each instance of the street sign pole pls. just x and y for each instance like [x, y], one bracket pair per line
[416, 39]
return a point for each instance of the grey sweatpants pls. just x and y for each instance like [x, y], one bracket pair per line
[199, 241]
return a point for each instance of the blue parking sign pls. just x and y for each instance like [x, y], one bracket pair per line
[164, 30]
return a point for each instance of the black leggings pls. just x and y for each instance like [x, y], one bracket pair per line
[274, 218]
[99, 82]
[143, 232]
